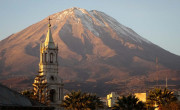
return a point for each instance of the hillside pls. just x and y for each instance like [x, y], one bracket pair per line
[96, 54]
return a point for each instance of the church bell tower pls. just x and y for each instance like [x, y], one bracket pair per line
[48, 68]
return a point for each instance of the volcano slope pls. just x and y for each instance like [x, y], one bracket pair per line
[96, 54]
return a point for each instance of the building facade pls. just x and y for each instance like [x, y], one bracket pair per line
[48, 70]
[112, 98]
[141, 96]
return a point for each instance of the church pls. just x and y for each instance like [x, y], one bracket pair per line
[48, 73]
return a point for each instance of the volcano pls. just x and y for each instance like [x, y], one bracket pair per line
[96, 54]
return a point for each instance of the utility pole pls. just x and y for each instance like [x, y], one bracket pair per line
[166, 82]
[157, 68]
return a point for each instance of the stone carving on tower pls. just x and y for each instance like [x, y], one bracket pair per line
[48, 72]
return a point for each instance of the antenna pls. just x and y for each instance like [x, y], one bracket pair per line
[166, 82]
[157, 68]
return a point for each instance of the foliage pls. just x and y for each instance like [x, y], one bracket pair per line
[40, 90]
[171, 106]
[28, 93]
[129, 103]
[160, 97]
[81, 101]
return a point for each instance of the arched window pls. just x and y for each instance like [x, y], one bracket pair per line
[45, 59]
[52, 95]
[51, 57]
[52, 78]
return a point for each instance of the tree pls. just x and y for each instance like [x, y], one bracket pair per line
[40, 89]
[81, 101]
[129, 103]
[91, 101]
[160, 97]
[72, 101]
[171, 106]
[28, 93]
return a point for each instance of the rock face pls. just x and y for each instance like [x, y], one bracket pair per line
[94, 49]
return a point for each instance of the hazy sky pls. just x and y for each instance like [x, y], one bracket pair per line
[156, 20]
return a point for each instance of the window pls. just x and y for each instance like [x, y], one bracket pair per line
[52, 78]
[51, 57]
[45, 59]
[52, 95]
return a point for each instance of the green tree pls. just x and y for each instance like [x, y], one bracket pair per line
[129, 103]
[81, 101]
[91, 101]
[41, 93]
[171, 106]
[28, 93]
[161, 97]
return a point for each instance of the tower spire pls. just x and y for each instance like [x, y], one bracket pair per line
[49, 25]
[49, 40]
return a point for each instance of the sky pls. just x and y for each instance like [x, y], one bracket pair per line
[156, 20]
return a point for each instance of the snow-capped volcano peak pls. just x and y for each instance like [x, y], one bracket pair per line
[72, 11]
[76, 8]
[93, 19]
